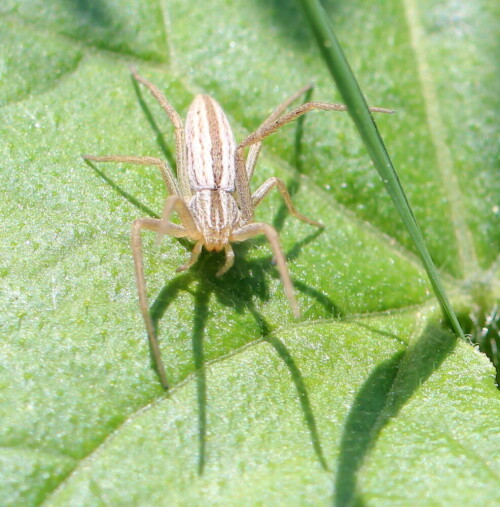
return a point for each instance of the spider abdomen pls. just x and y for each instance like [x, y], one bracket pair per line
[210, 146]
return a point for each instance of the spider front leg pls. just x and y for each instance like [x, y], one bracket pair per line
[251, 230]
[161, 227]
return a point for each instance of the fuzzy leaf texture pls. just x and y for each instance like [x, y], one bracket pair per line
[368, 399]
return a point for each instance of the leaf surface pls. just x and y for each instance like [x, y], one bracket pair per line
[367, 399]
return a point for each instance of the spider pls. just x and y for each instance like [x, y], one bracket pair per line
[212, 194]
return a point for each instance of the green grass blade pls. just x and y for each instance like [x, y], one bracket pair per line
[352, 96]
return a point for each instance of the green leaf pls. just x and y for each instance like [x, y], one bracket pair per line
[368, 399]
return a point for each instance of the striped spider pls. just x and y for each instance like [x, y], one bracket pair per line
[211, 193]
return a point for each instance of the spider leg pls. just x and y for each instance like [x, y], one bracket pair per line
[267, 128]
[156, 225]
[178, 204]
[254, 151]
[250, 230]
[180, 136]
[160, 226]
[265, 188]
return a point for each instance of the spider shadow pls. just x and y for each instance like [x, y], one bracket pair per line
[288, 18]
[229, 291]
[121, 191]
[382, 396]
[98, 13]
